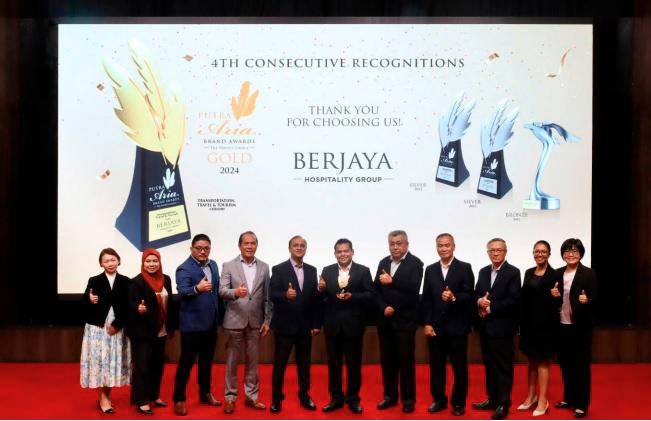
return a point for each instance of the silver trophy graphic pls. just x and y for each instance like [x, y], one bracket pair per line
[452, 126]
[543, 132]
[495, 135]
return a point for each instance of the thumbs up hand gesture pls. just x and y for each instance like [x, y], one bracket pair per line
[447, 294]
[583, 299]
[555, 292]
[241, 291]
[322, 284]
[142, 308]
[93, 298]
[484, 302]
[291, 292]
[385, 278]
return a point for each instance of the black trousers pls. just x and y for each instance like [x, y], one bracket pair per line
[498, 355]
[574, 355]
[193, 344]
[283, 344]
[147, 356]
[339, 347]
[456, 349]
[397, 349]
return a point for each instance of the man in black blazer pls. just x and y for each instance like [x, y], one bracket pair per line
[447, 306]
[347, 289]
[293, 290]
[497, 294]
[397, 284]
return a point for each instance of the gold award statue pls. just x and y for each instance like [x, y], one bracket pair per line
[155, 214]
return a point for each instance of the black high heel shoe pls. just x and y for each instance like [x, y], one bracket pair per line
[108, 410]
[145, 411]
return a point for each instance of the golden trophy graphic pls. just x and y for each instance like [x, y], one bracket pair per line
[155, 214]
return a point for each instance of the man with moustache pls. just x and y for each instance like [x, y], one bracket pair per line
[448, 292]
[197, 281]
[397, 283]
[244, 286]
[348, 289]
[293, 290]
[497, 294]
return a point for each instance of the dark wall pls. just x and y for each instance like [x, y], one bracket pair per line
[28, 130]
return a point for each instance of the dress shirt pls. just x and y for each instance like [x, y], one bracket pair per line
[250, 270]
[298, 270]
[445, 268]
[395, 264]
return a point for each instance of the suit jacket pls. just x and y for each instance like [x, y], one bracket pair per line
[199, 311]
[504, 297]
[584, 280]
[347, 316]
[95, 314]
[539, 310]
[402, 294]
[254, 309]
[451, 318]
[291, 317]
[145, 326]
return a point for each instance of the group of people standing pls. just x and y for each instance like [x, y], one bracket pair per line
[129, 319]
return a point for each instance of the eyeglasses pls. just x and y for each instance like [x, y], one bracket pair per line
[496, 251]
[543, 252]
[200, 249]
[572, 252]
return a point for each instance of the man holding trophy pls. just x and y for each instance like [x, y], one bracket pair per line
[348, 290]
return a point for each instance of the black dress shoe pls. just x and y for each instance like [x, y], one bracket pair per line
[437, 406]
[408, 407]
[386, 403]
[355, 408]
[562, 405]
[579, 413]
[501, 412]
[308, 404]
[145, 411]
[275, 407]
[458, 411]
[333, 406]
[483, 406]
[160, 404]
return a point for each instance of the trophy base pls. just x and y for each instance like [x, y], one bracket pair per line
[545, 203]
[495, 188]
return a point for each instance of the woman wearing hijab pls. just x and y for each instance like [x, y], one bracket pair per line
[105, 356]
[150, 302]
[538, 324]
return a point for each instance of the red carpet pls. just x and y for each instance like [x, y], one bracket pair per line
[52, 391]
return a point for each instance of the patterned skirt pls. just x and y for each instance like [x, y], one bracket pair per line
[105, 360]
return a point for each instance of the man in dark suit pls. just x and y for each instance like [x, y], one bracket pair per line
[397, 283]
[197, 283]
[348, 292]
[293, 290]
[448, 293]
[498, 294]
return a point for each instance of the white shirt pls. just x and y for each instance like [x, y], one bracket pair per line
[249, 269]
[111, 278]
[566, 307]
[445, 268]
[395, 264]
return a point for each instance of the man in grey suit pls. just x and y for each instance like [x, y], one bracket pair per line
[244, 285]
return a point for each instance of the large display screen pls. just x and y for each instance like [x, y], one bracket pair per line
[322, 130]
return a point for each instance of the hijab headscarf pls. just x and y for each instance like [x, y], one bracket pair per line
[156, 281]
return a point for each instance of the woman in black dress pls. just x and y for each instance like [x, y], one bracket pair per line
[538, 324]
[150, 302]
[578, 291]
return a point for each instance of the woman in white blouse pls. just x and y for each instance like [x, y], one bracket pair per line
[578, 291]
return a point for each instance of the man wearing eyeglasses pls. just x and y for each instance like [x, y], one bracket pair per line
[197, 283]
[497, 295]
